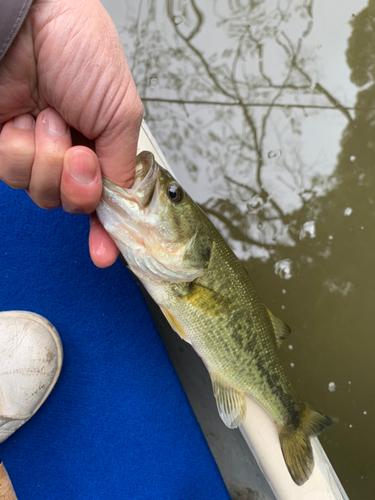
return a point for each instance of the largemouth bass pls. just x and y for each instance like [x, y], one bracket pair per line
[209, 300]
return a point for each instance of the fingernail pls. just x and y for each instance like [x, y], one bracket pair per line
[54, 123]
[26, 122]
[82, 167]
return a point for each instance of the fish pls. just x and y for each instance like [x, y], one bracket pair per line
[208, 298]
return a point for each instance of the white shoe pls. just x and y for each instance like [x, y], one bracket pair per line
[30, 363]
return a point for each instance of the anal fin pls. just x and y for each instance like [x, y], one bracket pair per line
[231, 404]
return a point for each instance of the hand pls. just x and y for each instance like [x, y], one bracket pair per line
[66, 68]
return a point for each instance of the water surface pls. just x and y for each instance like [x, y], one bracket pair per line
[265, 110]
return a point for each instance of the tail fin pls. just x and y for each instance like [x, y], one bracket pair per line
[295, 442]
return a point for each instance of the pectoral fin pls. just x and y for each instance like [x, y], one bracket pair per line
[176, 325]
[207, 301]
[231, 404]
[282, 330]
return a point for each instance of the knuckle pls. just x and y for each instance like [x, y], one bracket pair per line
[15, 164]
[49, 204]
[14, 175]
[44, 201]
[51, 157]
[17, 152]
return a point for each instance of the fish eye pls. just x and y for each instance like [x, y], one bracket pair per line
[174, 193]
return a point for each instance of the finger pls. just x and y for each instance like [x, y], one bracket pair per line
[81, 182]
[17, 149]
[52, 140]
[103, 250]
[116, 146]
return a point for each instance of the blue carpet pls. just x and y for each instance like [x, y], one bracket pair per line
[118, 424]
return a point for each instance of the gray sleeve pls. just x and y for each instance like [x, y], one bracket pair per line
[12, 15]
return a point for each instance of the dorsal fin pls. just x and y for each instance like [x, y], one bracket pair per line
[282, 330]
[231, 404]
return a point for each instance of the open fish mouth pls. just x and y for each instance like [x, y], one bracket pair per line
[143, 169]
[145, 180]
[126, 213]
[140, 195]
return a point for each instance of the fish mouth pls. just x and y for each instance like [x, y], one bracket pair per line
[144, 184]
[124, 212]
[145, 164]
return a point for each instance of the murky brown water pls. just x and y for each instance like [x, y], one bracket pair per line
[265, 110]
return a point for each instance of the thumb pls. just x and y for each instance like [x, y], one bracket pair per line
[116, 146]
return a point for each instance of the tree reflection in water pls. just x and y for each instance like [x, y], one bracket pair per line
[230, 90]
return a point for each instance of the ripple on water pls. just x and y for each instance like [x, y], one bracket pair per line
[274, 153]
[153, 81]
[178, 19]
[284, 269]
[308, 230]
[255, 203]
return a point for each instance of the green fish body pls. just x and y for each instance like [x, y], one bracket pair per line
[209, 300]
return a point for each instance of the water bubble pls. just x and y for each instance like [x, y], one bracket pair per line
[326, 253]
[331, 387]
[361, 176]
[349, 382]
[352, 158]
[350, 425]
[282, 307]
[274, 153]
[365, 412]
[178, 19]
[342, 288]
[307, 259]
[292, 365]
[284, 269]
[348, 211]
[283, 291]
[308, 230]
[153, 81]
[290, 347]
[255, 203]
[362, 228]
[330, 237]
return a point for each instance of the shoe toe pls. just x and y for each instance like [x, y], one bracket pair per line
[30, 363]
